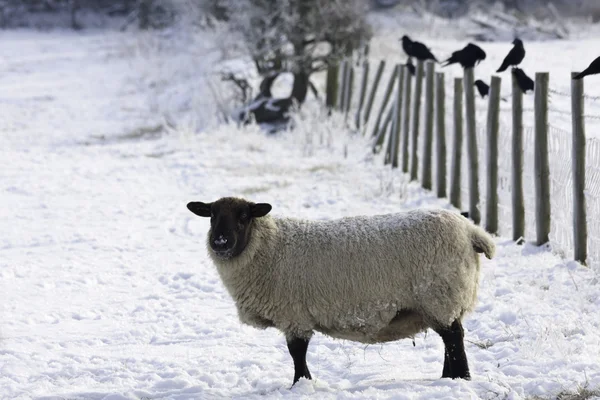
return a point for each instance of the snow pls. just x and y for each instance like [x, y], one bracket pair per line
[106, 288]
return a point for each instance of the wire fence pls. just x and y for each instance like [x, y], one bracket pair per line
[547, 113]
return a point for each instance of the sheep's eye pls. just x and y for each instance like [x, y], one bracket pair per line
[244, 216]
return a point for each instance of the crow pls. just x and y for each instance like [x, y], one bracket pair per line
[406, 45]
[468, 56]
[594, 68]
[417, 49]
[484, 89]
[411, 67]
[524, 82]
[514, 56]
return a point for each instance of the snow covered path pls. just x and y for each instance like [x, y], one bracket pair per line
[106, 291]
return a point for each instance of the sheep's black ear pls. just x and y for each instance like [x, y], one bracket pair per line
[199, 208]
[259, 210]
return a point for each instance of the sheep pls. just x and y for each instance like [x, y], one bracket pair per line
[370, 279]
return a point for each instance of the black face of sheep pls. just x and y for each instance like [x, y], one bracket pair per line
[230, 221]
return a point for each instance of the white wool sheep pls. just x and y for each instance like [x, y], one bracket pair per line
[369, 279]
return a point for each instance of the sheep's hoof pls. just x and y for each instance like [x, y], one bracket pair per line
[306, 375]
[466, 377]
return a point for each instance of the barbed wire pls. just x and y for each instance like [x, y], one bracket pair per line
[559, 111]
[566, 94]
[559, 93]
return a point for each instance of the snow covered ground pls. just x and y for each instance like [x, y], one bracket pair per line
[106, 290]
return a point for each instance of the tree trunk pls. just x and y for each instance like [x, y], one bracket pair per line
[300, 88]
[74, 5]
[144, 13]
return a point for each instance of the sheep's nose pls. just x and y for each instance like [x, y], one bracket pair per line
[220, 242]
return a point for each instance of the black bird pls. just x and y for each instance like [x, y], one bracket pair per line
[411, 67]
[524, 82]
[468, 56]
[594, 68]
[417, 50]
[406, 45]
[482, 87]
[514, 56]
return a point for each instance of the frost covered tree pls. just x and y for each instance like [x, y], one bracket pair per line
[298, 36]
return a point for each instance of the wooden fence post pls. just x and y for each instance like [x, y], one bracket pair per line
[350, 87]
[332, 86]
[343, 85]
[493, 125]
[440, 116]
[390, 138]
[578, 160]
[542, 170]
[455, 180]
[518, 202]
[378, 142]
[426, 180]
[474, 212]
[398, 117]
[369, 105]
[386, 99]
[406, 120]
[416, 117]
[363, 91]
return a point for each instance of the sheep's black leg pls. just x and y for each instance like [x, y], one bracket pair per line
[455, 358]
[446, 372]
[298, 347]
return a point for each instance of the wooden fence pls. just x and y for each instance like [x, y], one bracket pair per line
[411, 117]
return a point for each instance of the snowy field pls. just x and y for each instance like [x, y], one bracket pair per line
[106, 289]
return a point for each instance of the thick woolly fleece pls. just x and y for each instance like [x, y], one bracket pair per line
[370, 278]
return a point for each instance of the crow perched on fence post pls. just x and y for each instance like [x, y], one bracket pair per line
[467, 57]
[514, 56]
[417, 50]
[524, 82]
[593, 68]
[482, 87]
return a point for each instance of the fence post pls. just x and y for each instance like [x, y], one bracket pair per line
[378, 142]
[440, 116]
[369, 104]
[416, 111]
[542, 170]
[578, 160]
[472, 156]
[332, 86]
[349, 88]
[386, 99]
[428, 137]
[390, 142]
[493, 125]
[457, 144]
[518, 202]
[398, 117]
[406, 120]
[343, 87]
[363, 91]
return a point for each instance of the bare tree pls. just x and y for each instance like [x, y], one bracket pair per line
[299, 36]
